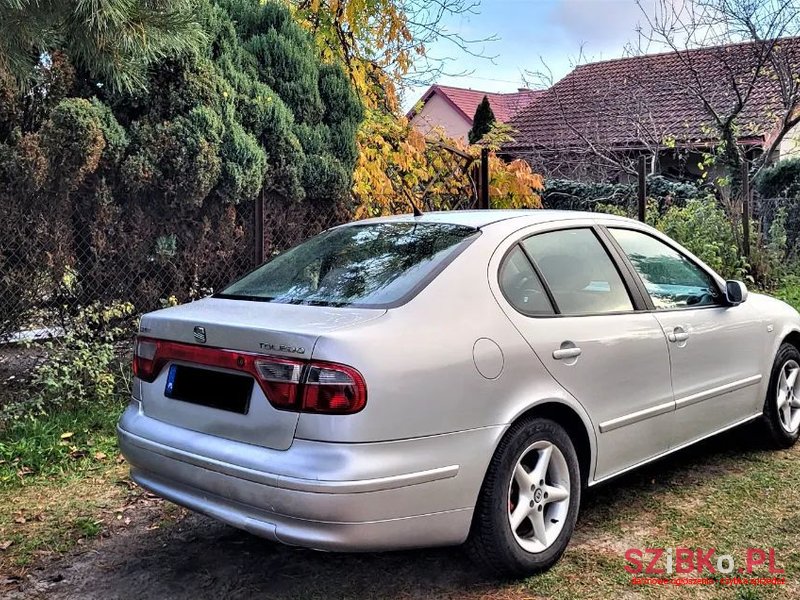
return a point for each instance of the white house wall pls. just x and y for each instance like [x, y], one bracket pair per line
[437, 112]
[790, 146]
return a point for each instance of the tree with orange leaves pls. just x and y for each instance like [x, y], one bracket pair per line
[383, 46]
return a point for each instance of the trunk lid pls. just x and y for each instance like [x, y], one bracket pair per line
[256, 327]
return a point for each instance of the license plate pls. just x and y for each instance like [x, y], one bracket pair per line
[213, 389]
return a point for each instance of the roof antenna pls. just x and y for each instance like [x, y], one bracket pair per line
[417, 212]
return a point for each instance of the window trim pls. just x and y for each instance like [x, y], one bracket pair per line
[535, 269]
[630, 284]
[640, 282]
[548, 292]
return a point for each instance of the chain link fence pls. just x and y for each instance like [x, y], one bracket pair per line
[50, 270]
[86, 270]
[54, 268]
[784, 212]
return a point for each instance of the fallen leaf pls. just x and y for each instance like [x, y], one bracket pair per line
[20, 520]
[5, 545]
[67, 435]
[24, 471]
[100, 456]
[78, 454]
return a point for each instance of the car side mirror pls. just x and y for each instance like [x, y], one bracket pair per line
[735, 292]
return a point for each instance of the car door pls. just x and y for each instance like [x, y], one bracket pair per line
[715, 349]
[570, 301]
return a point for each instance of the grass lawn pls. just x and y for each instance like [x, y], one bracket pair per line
[727, 493]
[61, 482]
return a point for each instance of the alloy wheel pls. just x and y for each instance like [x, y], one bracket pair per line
[788, 396]
[538, 496]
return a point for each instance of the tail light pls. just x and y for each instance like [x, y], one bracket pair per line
[333, 389]
[302, 386]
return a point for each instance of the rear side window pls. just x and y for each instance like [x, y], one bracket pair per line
[521, 286]
[578, 272]
[374, 265]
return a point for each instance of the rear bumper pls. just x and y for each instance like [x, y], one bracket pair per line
[349, 497]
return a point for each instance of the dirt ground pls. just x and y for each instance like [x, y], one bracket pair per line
[188, 556]
[199, 558]
[16, 364]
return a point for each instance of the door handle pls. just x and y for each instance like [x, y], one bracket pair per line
[679, 334]
[563, 353]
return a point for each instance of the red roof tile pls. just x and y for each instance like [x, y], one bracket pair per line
[504, 106]
[620, 102]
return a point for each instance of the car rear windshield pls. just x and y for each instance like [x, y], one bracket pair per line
[374, 265]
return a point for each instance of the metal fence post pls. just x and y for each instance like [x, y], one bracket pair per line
[484, 196]
[745, 209]
[258, 229]
[642, 188]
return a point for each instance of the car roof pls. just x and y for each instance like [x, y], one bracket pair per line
[482, 218]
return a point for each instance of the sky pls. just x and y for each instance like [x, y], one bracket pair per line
[529, 33]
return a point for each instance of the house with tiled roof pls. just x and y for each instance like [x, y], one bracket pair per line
[662, 105]
[451, 109]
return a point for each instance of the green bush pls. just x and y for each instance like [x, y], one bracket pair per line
[66, 421]
[779, 189]
[82, 370]
[780, 180]
[701, 226]
[94, 179]
[704, 229]
[770, 259]
[789, 290]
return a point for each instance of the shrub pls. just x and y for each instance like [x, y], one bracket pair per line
[769, 259]
[146, 194]
[789, 290]
[779, 189]
[83, 369]
[704, 229]
[780, 180]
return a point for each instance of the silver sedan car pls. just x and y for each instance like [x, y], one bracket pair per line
[449, 378]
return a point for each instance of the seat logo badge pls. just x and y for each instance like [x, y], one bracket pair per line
[200, 334]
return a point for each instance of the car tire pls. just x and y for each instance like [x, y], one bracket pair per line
[494, 543]
[781, 416]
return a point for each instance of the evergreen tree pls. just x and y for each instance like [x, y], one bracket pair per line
[113, 40]
[161, 176]
[481, 122]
